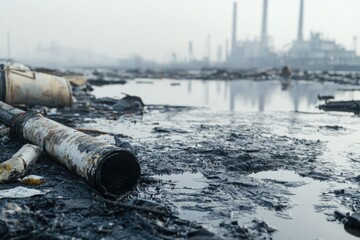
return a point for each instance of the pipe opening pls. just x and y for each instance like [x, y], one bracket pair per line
[119, 172]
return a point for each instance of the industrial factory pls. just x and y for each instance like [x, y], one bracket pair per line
[315, 53]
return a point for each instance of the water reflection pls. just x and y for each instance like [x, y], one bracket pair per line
[302, 215]
[241, 95]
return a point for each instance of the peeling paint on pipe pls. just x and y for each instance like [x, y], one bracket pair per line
[19, 163]
[19, 85]
[109, 169]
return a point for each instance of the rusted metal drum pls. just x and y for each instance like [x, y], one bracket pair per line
[21, 86]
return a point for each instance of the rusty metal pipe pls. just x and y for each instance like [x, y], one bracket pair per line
[109, 169]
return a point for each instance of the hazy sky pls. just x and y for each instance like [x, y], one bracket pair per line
[156, 28]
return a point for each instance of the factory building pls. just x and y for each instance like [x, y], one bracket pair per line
[316, 53]
[252, 53]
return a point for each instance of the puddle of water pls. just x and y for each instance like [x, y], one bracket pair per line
[281, 175]
[337, 143]
[195, 181]
[187, 183]
[247, 95]
[239, 95]
[305, 222]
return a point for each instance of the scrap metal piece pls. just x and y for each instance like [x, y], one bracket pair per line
[109, 169]
[19, 85]
[19, 163]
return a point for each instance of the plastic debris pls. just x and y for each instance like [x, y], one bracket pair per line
[32, 180]
[20, 192]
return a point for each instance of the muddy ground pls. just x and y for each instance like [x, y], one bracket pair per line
[221, 151]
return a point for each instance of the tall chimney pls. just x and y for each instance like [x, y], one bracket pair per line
[264, 22]
[190, 51]
[219, 53]
[233, 42]
[300, 37]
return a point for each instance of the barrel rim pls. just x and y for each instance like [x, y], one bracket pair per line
[2, 83]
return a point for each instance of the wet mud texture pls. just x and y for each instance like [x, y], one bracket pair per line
[225, 150]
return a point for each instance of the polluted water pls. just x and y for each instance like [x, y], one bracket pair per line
[265, 111]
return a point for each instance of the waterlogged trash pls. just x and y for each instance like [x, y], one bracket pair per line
[130, 104]
[341, 106]
[32, 180]
[19, 85]
[20, 192]
[109, 169]
[19, 163]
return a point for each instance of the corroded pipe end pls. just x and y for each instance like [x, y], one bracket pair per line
[118, 172]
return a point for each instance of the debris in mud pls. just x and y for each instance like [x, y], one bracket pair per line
[257, 230]
[101, 82]
[334, 127]
[225, 74]
[110, 170]
[351, 222]
[19, 163]
[128, 104]
[325, 97]
[123, 144]
[32, 180]
[20, 192]
[168, 130]
[342, 106]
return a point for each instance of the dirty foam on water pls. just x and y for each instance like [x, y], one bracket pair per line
[254, 104]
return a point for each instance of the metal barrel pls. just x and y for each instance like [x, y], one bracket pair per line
[19, 85]
[109, 169]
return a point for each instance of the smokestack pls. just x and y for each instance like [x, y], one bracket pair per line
[219, 53]
[264, 22]
[190, 51]
[233, 43]
[301, 22]
[355, 42]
